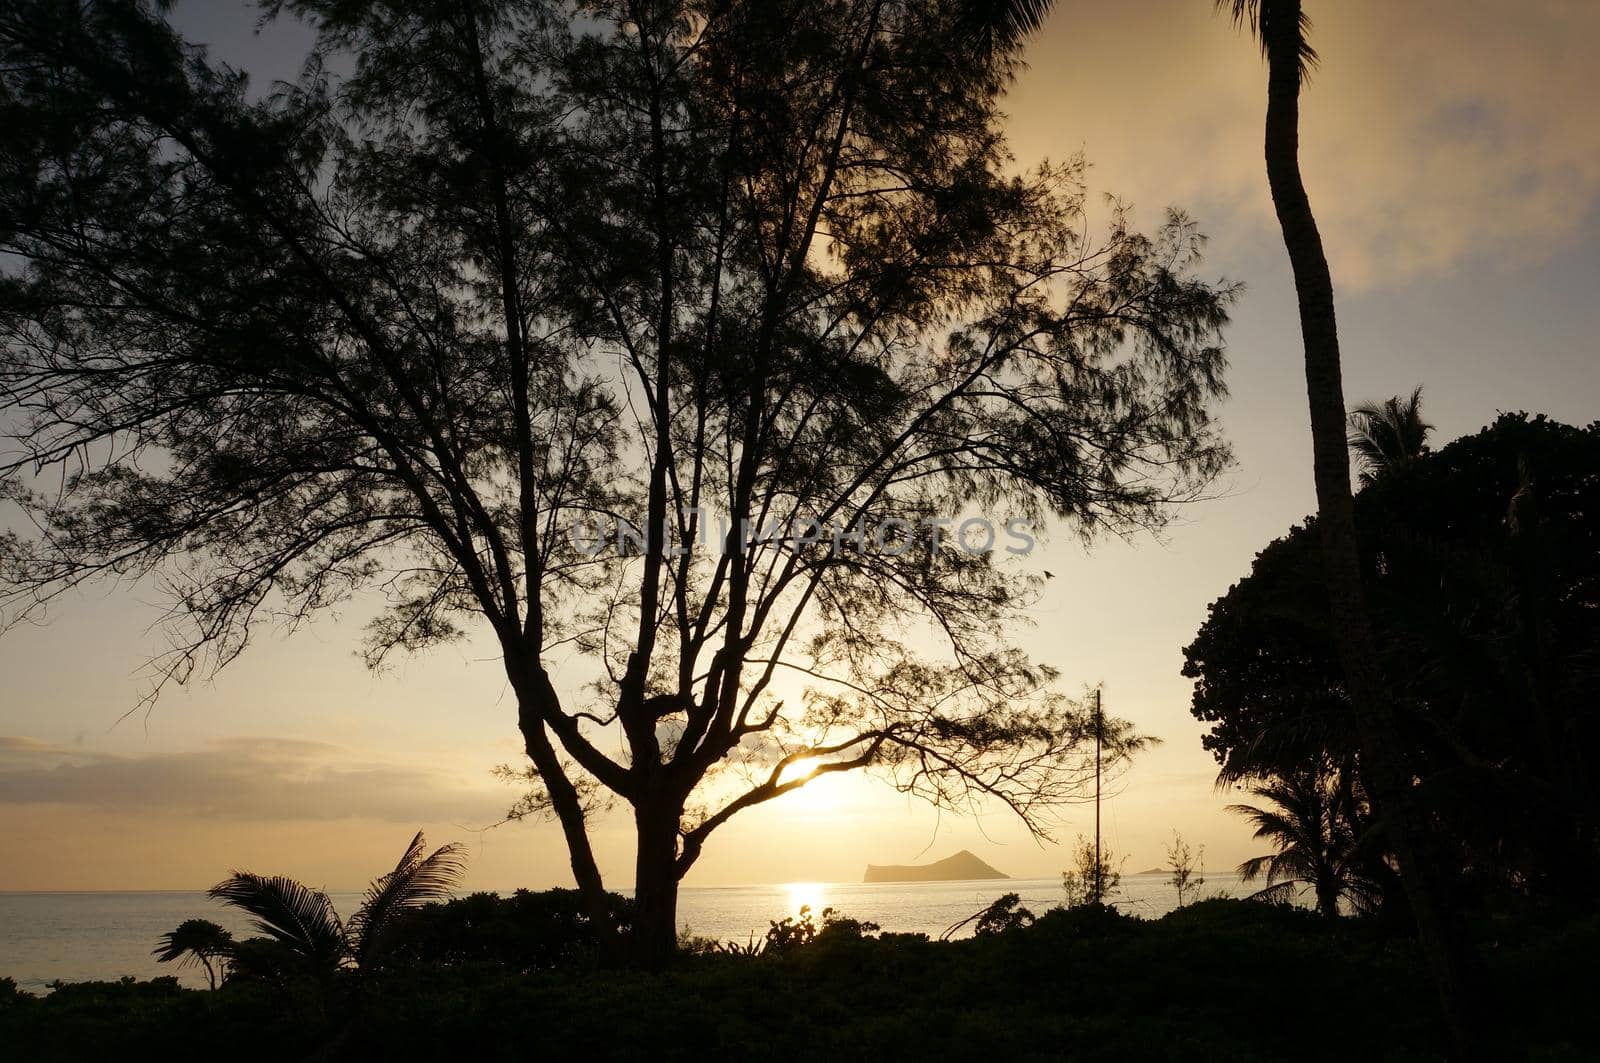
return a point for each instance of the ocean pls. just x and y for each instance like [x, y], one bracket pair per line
[75, 937]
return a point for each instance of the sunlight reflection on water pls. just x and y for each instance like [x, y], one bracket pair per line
[812, 895]
[738, 912]
[81, 936]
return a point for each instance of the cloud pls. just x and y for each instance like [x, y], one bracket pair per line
[241, 779]
[1434, 133]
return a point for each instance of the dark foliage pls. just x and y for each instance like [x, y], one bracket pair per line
[519, 934]
[1215, 980]
[1006, 913]
[1484, 567]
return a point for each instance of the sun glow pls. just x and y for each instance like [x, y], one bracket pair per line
[800, 770]
[821, 793]
[811, 895]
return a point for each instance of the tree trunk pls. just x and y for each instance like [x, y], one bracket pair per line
[655, 885]
[1328, 895]
[1443, 939]
[568, 807]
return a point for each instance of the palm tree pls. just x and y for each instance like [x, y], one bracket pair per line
[303, 933]
[990, 27]
[415, 881]
[197, 942]
[1315, 842]
[300, 926]
[1281, 26]
[1388, 435]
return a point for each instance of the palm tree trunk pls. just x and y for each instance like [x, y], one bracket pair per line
[1383, 757]
[1327, 889]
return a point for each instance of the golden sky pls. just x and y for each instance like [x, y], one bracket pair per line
[1452, 150]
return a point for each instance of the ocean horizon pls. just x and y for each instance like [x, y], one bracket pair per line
[104, 935]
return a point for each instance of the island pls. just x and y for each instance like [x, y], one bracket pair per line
[961, 866]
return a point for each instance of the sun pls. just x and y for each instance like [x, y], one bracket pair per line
[804, 768]
[824, 793]
[810, 895]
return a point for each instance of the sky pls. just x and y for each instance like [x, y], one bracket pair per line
[1452, 153]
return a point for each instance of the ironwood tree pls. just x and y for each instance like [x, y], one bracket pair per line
[749, 279]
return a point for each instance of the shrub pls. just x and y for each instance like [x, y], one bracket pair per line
[518, 934]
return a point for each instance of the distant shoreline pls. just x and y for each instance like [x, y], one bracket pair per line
[623, 889]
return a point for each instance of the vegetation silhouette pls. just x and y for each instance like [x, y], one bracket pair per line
[1282, 28]
[1315, 840]
[1003, 913]
[1389, 435]
[697, 266]
[1187, 869]
[1091, 879]
[521, 934]
[201, 943]
[1216, 979]
[764, 266]
[1483, 582]
[304, 938]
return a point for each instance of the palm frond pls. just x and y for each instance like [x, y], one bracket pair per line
[414, 881]
[989, 27]
[1270, 825]
[299, 917]
[1260, 19]
[1388, 435]
[1277, 893]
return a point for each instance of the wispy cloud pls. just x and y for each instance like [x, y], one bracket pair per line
[241, 779]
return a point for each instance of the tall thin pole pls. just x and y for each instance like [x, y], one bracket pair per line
[1099, 880]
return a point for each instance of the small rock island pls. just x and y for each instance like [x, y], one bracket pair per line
[961, 866]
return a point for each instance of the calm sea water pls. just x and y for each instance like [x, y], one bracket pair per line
[78, 937]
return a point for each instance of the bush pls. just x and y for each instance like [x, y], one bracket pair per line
[1006, 913]
[518, 934]
[1218, 980]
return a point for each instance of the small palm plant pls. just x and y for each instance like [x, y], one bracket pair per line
[1388, 435]
[301, 932]
[416, 880]
[303, 935]
[1315, 841]
[198, 943]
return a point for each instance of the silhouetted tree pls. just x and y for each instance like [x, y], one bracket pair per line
[1315, 840]
[1281, 26]
[197, 941]
[709, 268]
[1489, 656]
[1388, 435]
[1006, 913]
[1091, 878]
[1187, 867]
